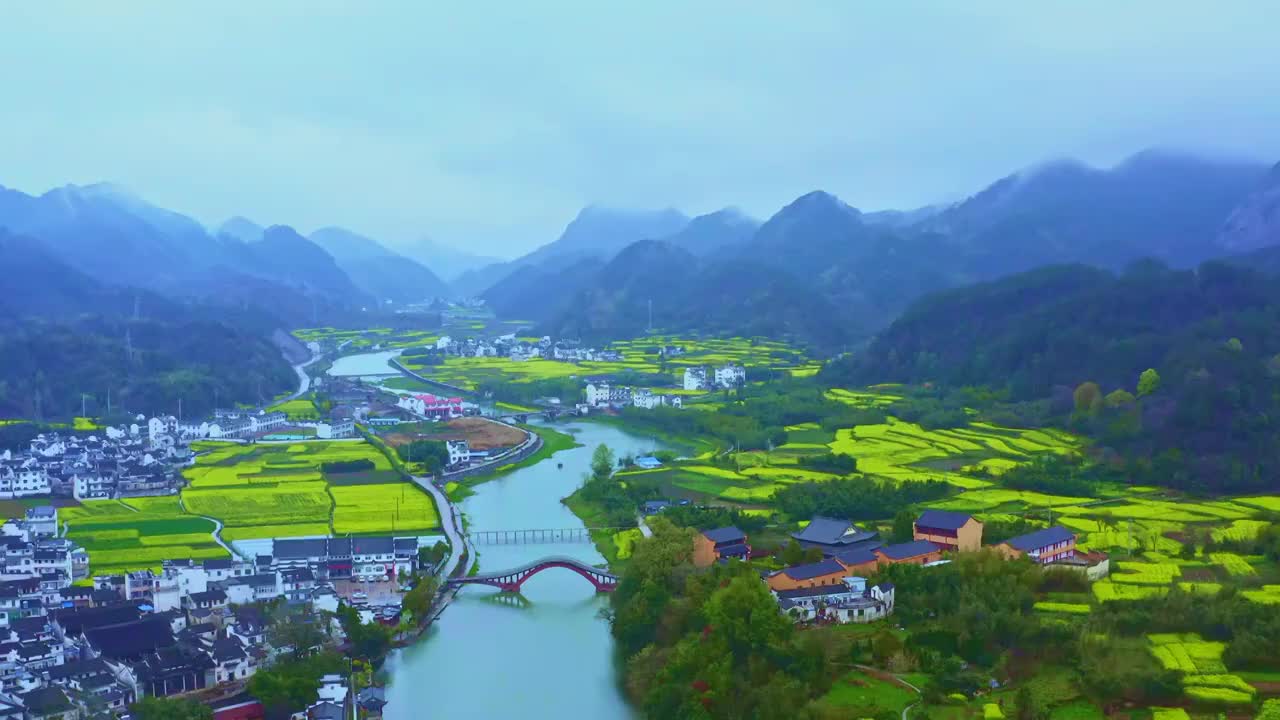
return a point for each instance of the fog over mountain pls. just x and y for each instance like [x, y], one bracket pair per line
[488, 135]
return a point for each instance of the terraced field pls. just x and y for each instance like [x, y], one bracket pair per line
[905, 452]
[1204, 677]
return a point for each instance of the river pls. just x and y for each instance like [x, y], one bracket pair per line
[544, 654]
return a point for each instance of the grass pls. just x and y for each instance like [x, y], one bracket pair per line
[1061, 607]
[861, 695]
[297, 409]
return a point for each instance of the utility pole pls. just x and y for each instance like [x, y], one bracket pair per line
[83, 411]
[108, 401]
[650, 315]
[179, 409]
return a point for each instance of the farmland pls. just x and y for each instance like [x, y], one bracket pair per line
[639, 357]
[261, 490]
[138, 533]
[256, 491]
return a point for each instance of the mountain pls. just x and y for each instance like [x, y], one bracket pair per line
[1255, 222]
[446, 261]
[1212, 335]
[1154, 204]
[596, 232]
[242, 229]
[714, 232]
[536, 293]
[379, 272]
[655, 279]
[287, 257]
[37, 283]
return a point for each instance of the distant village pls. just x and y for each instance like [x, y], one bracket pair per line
[71, 651]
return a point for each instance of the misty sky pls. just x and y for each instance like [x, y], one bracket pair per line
[487, 125]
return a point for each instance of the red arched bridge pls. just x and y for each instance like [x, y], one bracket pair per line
[511, 580]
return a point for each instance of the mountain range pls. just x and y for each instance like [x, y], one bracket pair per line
[868, 267]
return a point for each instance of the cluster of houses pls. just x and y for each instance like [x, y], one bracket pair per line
[432, 407]
[120, 463]
[79, 651]
[509, 347]
[709, 378]
[601, 394]
[835, 589]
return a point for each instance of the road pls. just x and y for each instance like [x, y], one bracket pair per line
[304, 380]
[450, 521]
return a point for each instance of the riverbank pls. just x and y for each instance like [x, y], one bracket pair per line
[553, 441]
[550, 635]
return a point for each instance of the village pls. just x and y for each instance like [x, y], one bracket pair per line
[193, 628]
[834, 589]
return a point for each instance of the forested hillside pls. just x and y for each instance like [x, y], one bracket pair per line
[1070, 344]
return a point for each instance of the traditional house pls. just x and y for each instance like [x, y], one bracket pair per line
[858, 560]
[824, 572]
[916, 552]
[950, 530]
[695, 378]
[832, 535]
[848, 601]
[730, 376]
[1042, 546]
[710, 546]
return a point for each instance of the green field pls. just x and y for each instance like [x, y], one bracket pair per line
[142, 534]
[861, 695]
[639, 356]
[261, 490]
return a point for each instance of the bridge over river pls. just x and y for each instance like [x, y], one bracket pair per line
[511, 580]
[536, 536]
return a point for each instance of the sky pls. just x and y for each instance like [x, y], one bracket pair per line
[488, 125]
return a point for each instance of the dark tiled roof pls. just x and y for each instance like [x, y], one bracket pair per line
[819, 591]
[1040, 538]
[217, 564]
[74, 622]
[46, 701]
[943, 519]
[208, 596]
[912, 549]
[856, 556]
[407, 545]
[373, 546]
[132, 639]
[829, 531]
[295, 549]
[340, 547]
[735, 550]
[729, 534]
[813, 570]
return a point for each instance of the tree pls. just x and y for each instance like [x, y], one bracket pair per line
[1148, 382]
[904, 526]
[602, 462]
[1088, 398]
[154, 708]
[1234, 345]
[418, 600]
[292, 628]
[1121, 398]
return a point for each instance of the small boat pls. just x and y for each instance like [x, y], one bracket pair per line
[559, 466]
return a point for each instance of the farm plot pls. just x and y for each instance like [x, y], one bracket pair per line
[121, 538]
[905, 452]
[1205, 678]
[247, 506]
[389, 507]
[1267, 595]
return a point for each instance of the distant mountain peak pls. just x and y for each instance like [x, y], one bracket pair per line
[241, 228]
[822, 200]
